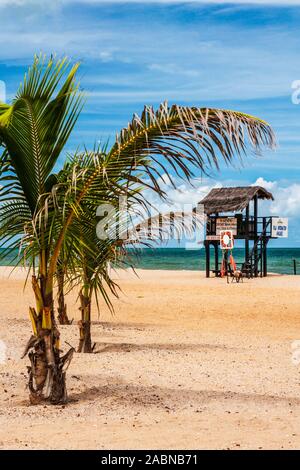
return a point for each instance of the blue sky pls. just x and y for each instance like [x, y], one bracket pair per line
[235, 55]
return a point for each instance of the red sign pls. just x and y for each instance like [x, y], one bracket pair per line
[226, 239]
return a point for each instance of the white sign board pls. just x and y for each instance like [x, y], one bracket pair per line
[280, 227]
[226, 223]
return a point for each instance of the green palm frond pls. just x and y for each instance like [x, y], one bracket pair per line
[36, 126]
[177, 138]
[189, 138]
[33, 131]
[164, 226]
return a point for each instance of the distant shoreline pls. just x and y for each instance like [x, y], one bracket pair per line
[19, 273]
[280, 260]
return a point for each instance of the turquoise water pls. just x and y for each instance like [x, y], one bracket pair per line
[280, 260]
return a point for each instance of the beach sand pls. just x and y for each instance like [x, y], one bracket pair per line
[185, 363]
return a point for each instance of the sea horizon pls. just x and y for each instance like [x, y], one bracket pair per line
[280, 260]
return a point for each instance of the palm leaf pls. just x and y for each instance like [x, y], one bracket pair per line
[37, 125]
[180, 138]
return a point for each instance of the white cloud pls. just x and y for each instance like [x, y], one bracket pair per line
[268, 185]
[215, 66]
[241, 2]
[4, 3]
[238, 2]
[106, 56]
[282, 3]
[182, 198]
[173, 69]
[24, 3]
[147, 95]
[287, 197]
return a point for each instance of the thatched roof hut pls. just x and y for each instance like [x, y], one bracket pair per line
[234, 199]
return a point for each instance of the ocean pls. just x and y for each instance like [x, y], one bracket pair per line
[280, 260]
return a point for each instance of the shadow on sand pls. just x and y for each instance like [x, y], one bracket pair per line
[123, 326]
[122, 394]
[131, 347]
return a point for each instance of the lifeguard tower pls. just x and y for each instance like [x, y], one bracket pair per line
[236, 209]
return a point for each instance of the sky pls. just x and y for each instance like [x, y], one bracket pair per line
[235, 55]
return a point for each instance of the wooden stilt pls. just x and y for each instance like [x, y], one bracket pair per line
[207, 256]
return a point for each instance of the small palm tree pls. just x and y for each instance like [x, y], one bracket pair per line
[88, 264]
[35, 128]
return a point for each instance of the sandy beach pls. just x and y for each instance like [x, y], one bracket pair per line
[185, 362]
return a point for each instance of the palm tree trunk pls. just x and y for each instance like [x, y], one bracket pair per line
[47, 373]
[61, 307]
[85, 340]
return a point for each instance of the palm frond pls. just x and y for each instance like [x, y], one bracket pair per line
[36, 126]
[182, 139]
[164, 227]
[189, 138]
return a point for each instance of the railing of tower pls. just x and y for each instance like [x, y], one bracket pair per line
[242, 226]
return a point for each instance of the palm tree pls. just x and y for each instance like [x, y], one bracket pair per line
[89, 263]
[34, 129]
[182, 139]
[87, 267]
[85, 258]
[96, 280]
